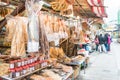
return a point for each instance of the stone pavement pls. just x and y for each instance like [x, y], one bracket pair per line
[103, 66]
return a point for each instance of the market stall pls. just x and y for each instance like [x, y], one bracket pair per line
[44, 42]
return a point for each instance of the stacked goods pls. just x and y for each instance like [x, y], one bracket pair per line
[52, 74]
[25, 65]
[58, 72]
[58, 53]
[4, 69]
[38, 77]
[77, 58]
[17, 35]
[66, 68]
[3, 58]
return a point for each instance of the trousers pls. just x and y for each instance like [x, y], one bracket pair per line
[102, 48]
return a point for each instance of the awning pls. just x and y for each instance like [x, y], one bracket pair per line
[98, 7]
[99, 11]
[95, 2]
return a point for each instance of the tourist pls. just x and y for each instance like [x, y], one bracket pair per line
[101, 44]
[96, 42]
[106, 41]
[109, 42]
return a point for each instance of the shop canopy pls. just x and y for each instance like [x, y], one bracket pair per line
[95, 2]
[98, 7]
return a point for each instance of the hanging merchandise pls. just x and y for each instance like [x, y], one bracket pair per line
[76, 35]
[69, 12]
[54, 27]
[42, 34]
[33, 8]
[70, 1]
[59, 54]
[17, 35]
[59, 5]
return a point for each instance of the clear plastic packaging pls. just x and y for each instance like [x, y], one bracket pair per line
[33, 7]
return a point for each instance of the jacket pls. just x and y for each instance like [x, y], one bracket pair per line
[101, 40]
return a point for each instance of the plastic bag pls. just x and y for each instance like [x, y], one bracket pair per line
[33, 7]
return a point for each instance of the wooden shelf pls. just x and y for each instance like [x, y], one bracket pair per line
[20, 77]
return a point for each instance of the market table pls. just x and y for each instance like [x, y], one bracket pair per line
[68, 75]
[76, 46]
[78, 63]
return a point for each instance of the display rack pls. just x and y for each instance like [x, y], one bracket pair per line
[20, 77]
[78, 63]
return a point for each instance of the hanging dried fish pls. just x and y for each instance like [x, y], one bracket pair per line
[60, 5]
[17, 34]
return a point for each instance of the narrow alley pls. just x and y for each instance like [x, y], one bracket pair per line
[104, 66]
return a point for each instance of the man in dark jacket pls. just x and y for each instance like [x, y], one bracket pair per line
[101, 42]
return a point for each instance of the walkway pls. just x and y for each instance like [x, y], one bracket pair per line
[104, 66]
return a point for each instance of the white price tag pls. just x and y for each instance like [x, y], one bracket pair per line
[17, 74]
[11, 65]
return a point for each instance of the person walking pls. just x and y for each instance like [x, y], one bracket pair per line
[106, 41]
[96, 42]
[109, 42]
[101, 44]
